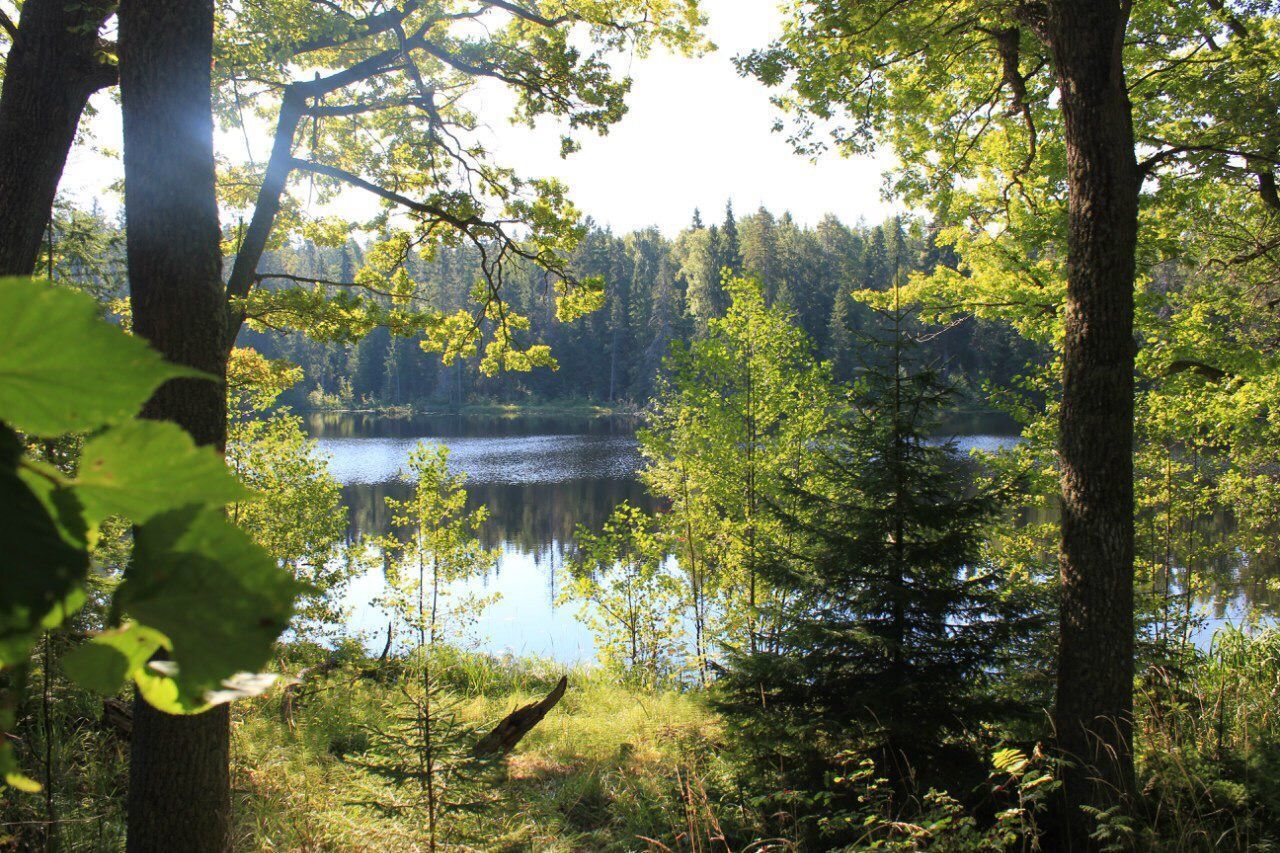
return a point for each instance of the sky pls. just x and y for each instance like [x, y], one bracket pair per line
[696, 135]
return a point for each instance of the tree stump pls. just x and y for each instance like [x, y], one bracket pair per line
[508, 733]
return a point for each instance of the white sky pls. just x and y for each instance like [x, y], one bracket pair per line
[696, 135]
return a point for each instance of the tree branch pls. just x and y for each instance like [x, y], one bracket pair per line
[9, 26]
[435, 211]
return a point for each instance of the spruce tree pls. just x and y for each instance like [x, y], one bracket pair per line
[840, 339]
[895, 622]
[730, 248]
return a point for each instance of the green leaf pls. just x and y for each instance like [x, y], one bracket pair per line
[9, 767]
[63, 369]
[13, 778]
[157, 684]
[220, 598]
[142, 468]
[40, 569]
[104, 662]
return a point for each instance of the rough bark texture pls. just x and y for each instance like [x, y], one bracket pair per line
[179, 793]
[1095, 667]
[53, 67]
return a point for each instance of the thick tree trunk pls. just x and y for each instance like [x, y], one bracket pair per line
[179, 792]
[52, 68]
[1095, 660]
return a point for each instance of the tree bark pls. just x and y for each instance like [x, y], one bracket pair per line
[179, 791]
[53, 66]
[1095, 655]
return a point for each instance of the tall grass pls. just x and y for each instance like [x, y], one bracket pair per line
[611, 768]
[1208, 738]
[615, 768]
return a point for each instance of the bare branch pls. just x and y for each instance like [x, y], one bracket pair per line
[9, 26]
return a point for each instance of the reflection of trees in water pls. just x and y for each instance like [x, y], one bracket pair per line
[1228, 581]
[530, 518]
[1229, 578]
[536, 520]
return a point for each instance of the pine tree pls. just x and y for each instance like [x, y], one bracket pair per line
[664, 325]
[761, 258]
[877, 263]
[703, 269]
[424, 747]
[840, 339]
[896, 620]
[730, 247]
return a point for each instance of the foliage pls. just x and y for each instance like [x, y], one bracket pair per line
[1020, 785]
[197, 587]
[300, 518]
[615, 356]
[374, 97]
[438, 547]
[631, 598]
[966, 96]
[1209, 745]
[743, 404]
[895, 619]
[254, 383]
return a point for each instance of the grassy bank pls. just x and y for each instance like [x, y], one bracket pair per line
[617, 767]
[610, 767]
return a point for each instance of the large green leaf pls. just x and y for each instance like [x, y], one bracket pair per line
[142, 468]
[41, 568]
[104, 662]
[219, 598]
[62, 369]
[10, 771]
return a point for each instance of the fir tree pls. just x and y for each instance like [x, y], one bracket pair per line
[730, 246]
[424, 749]
[895, 625]
[840, 339]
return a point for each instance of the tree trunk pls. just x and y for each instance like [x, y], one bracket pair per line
[1095, 656]
[179, 791]
[53, 67]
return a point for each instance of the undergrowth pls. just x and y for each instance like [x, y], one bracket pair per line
[614, 767]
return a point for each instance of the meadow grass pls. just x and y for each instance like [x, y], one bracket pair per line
[612, 767]
[620, 767]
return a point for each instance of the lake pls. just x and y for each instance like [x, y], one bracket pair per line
[540, 477]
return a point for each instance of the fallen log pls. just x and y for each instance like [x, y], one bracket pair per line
[508, 733]
[117, 717]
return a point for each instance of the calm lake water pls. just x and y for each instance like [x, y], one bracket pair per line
[540, 477]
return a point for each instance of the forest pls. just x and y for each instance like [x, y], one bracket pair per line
[950, 528]
[659, 291]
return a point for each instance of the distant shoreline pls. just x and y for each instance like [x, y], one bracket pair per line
[966, 418]
[551, 409]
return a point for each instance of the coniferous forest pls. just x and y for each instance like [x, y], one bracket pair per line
[659, 290]
[362, 491]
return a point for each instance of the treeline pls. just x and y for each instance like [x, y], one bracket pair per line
[658, 290]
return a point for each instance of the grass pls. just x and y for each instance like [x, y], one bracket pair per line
[614, 767]
[610, 768]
